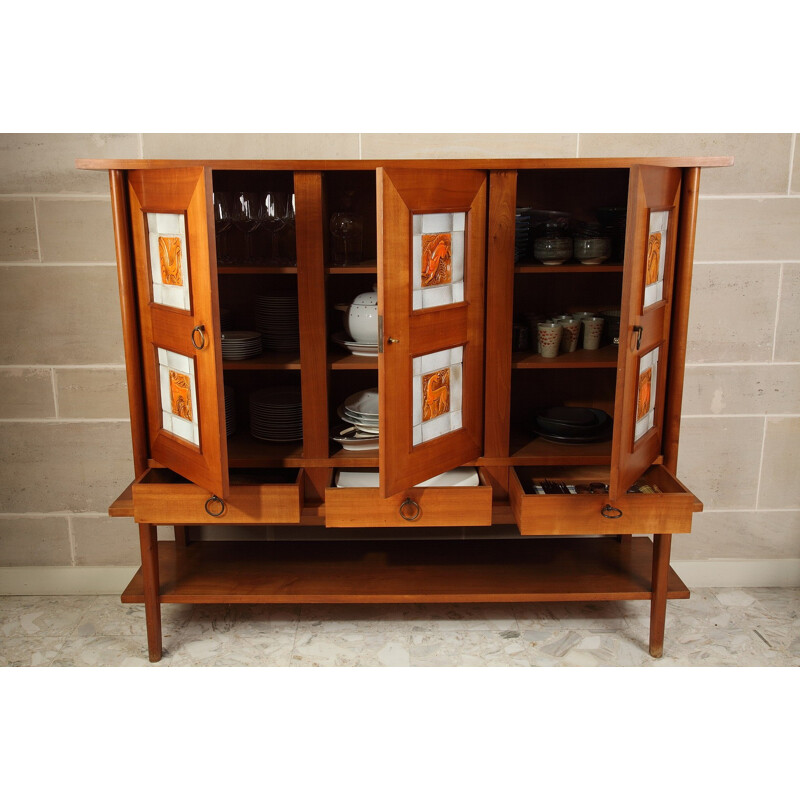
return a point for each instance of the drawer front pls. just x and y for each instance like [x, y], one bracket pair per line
[423, 507]
[588, 514]
[186, 504]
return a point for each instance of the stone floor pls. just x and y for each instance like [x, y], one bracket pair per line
[716, 627]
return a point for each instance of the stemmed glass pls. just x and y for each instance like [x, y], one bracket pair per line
[246, 215]
[273, 219]
[288, 237]
[222, 224]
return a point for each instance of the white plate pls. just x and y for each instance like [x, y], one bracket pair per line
[363, 403]
[353, 439]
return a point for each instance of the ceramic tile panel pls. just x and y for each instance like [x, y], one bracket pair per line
[655, 258]
[732, 312]
[779, 485]
[92, 393]
[438, 259]
[18, 230]
[45, 162]
[26, 393]
[745, 229]
[75, 230]
[437, 389]
[169, 267]
[64, 466]
[761, 160]
[34, 541]
[646, 393]
[178, 395]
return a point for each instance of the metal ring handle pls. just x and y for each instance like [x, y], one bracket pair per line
[414, 504]
[201, 330]
[215, 499]
[609, 512]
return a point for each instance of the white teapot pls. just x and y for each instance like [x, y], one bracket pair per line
[361, 317]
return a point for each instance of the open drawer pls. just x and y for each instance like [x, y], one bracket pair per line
[257, 496]
[421, 506]
[668, 509]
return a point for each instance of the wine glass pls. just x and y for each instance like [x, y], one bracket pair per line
[288, 237]
[273, 219]
[222, 224]
[246, 216]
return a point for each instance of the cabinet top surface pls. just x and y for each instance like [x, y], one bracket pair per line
[443, 163]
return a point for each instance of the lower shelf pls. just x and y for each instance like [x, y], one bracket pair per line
[539, 570]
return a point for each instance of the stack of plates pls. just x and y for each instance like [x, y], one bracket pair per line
[239, 345]
[522, 234]
[276, 415]
[572, 425]
[230, 411]
[277, 321]
[361, 411]
[351, 438]
[356, 348]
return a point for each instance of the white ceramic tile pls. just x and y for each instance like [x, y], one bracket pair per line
[437, 223]
[459, 221]
[416, 224]
[416, 300]
[457, 245]
[437, 296]
[416, 435]
[416, 399]
[458, 292]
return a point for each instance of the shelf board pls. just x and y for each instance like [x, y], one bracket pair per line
[605, 357]
[267, 360]
[543, 269]
[525, 451]
[513, 570]
[339, 360]
[354, 458]
[256, 270]
[368, 267]
[245, 450]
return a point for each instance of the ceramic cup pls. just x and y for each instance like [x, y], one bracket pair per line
[570, 333]
[549, 338]
[592, 331]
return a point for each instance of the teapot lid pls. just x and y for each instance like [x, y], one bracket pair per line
[366, 299]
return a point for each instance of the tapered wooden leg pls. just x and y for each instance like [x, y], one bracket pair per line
[658, 602]
[181, 535]
[152, 604]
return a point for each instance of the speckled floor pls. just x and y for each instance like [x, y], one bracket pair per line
[716, 627]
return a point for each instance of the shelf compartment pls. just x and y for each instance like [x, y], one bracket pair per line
[245, 451]
[544, 269]
[368, 267]
[603, 358]
[258, 497]
[340, 360]
[581, 514]
[257, 270]
[267, 360]
[438, 507]
[531, 570]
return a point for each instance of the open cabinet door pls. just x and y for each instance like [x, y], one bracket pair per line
[431, 263]
[175, 257]
[644, 323]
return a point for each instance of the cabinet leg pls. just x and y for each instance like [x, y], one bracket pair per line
[658, 602]
[152, 604]
[181, 535]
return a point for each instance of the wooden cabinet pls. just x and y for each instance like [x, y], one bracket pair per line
[457, 387]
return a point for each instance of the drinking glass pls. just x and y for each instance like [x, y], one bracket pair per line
[222, 223]
[246, 215]
[288, 234]
[273, 220]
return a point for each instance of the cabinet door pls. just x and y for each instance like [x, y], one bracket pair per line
[174, 251]
[431, 263]
[644, 325]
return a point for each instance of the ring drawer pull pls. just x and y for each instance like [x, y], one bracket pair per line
[609, 512]
[413, 505]
[201, 330]
[215, 499]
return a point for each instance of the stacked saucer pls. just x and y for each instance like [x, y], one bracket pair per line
[239, 345]
[361, 411]
[277, 321]
[571, 425]
[276, 415]
[356, 348]
[230, 411]
[522, 231]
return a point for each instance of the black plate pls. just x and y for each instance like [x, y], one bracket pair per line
[547, 420]
[600, 434]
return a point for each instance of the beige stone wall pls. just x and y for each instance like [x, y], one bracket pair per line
[64, 434]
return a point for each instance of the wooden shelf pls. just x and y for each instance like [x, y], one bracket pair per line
[342, 458]
[257, 270]
[604, 358]
[245, 450]
[533, 570]
[543, 269]
[267, 360]
[525, 451]
[364, 268]
[339, 360]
